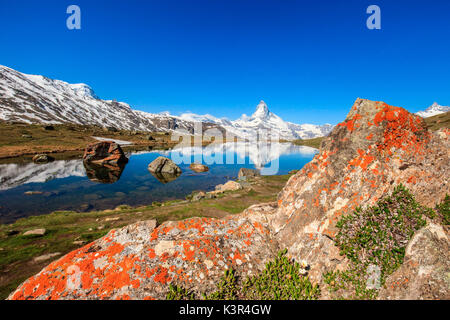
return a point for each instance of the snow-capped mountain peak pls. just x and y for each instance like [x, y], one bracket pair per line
[83, 90]
[262, 111]
[433, 110]
[264, 122]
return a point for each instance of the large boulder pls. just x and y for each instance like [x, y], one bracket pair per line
[365, 157]
[105, 152]
[164, 165]
[376, 148]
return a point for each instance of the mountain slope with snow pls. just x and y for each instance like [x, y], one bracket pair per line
[433, 110]
[37, 99]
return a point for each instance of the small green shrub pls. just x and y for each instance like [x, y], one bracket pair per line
[282, 279]
[443, 210]
[227, 289]
[178, 293]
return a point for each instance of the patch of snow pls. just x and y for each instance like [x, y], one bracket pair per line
[119, 142]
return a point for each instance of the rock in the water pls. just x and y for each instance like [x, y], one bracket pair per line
[42, 158]
[197, 167]
[164, 165]
[35, 232]
[229, 186]
[247, 174]
[424, 274]
[105, 152]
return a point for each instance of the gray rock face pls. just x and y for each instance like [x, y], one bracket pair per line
[425, 272]
[164, 165]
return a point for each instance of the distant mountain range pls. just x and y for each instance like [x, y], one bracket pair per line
[433, 110]
[264, 120]
[37, 99]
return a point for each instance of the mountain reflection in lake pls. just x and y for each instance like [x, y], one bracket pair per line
[69, 185]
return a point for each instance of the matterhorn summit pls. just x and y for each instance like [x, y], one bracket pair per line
[433, 110]
[262, 111]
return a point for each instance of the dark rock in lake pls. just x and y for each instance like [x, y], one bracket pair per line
[105, 152]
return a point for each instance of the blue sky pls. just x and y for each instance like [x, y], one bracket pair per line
[309, 60]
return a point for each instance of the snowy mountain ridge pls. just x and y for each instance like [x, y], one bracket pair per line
[433, 110]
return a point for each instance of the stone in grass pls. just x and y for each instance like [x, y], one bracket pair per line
[35, 232]
[229, 186]
[46, 257]
[245, 174]
[199, 196]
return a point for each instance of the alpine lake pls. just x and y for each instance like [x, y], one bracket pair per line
[29, 189]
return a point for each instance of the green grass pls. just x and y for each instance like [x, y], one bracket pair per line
[443, 210]
[375, 238]
[282, 279]
[314, 143]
